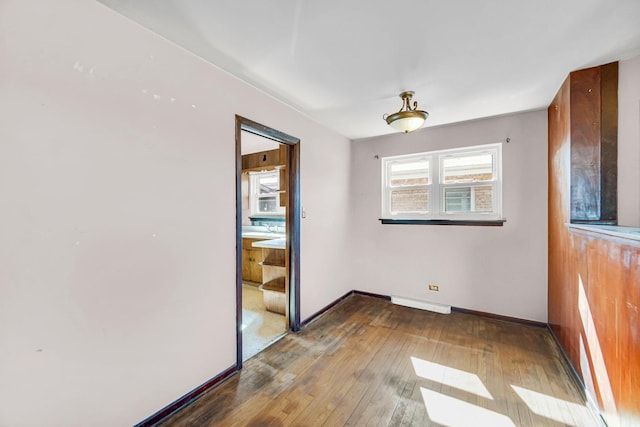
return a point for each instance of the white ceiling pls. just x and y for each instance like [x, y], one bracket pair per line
[252, 143]
[344, 62]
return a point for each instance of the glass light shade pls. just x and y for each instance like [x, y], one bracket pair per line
[407, 121]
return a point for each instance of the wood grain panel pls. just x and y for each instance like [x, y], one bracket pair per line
[593, 125]
[609, 141]
[585, 144]
[262, 160]
[610, 316]
[594, 286]
[562, 293]
[251, 259]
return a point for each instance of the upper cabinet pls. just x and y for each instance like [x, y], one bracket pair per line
[265, 160]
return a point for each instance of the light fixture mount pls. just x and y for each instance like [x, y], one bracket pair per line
[409, 118]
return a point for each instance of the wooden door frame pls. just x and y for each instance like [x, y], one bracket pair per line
[292, 222]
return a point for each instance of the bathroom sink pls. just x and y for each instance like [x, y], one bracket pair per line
[262, 235]
[262, 232]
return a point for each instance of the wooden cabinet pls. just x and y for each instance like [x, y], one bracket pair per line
[251, 261]
[265, 159]
[284, 186]
[274, 281]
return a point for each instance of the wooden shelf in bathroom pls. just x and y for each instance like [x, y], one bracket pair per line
[274, 281]
[274, 295]
[275, 285]
[267, 264]
[273, 258]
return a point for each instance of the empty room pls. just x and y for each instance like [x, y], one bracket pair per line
[332, 213]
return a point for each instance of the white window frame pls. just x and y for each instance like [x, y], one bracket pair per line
[436, 186]
[387, 162]
[254, 194]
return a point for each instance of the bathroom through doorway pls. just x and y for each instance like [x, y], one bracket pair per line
[268, 237]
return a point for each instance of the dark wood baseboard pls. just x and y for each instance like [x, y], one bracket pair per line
[371, 295]
[342, 298]
[188, 398]
[569, 365]
[500, 317]
[573, 373]
[325, 309]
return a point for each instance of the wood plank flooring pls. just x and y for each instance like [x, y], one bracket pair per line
[369, 362]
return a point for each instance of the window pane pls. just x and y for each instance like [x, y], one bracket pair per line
[268, 184]
[483, 198]
[469, 199]
[409, 173]
[268, 204]
[472, 168]
[410, 200]
[457, 199]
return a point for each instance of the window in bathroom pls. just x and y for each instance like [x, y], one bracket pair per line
[264, 194]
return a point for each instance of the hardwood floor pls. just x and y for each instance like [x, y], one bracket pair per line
[369, 362]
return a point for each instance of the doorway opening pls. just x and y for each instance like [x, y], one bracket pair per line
[267, 236]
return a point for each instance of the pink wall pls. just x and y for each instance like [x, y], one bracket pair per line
[629, 142]
[500, 270]
[117, 231]
[117, 208]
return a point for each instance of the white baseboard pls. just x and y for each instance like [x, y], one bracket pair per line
[422, 305]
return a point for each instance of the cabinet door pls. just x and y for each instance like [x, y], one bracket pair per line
[254, 265]
[249, 161]
[246, 265]
[284, 186]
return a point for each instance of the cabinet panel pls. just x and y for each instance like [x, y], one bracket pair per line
[255, 267]
[251, 260]
[246, 268]
[261, 160]
[594, 153]
[284, 186]
[274, 280]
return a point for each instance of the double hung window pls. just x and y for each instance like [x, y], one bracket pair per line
[264, 193]
[460, 184]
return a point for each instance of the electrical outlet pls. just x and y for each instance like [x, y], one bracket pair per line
[434, 287]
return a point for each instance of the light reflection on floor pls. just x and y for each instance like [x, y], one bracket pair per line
[452, 411]
[260, 327]
[452, 377]
[568, 413]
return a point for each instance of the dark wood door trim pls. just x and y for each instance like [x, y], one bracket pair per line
[292, 222]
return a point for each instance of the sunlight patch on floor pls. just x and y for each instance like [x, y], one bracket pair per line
[450, 376]
[569, 413]
[452, 412]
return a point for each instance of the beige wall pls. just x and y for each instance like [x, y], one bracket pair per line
[629, 143]
[499, 270]
[117, 217]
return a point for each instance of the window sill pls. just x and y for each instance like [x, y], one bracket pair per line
[477, 223]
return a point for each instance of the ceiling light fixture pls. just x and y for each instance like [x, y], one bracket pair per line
[409, 118]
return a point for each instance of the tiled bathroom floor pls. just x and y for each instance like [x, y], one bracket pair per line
[260, 327]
